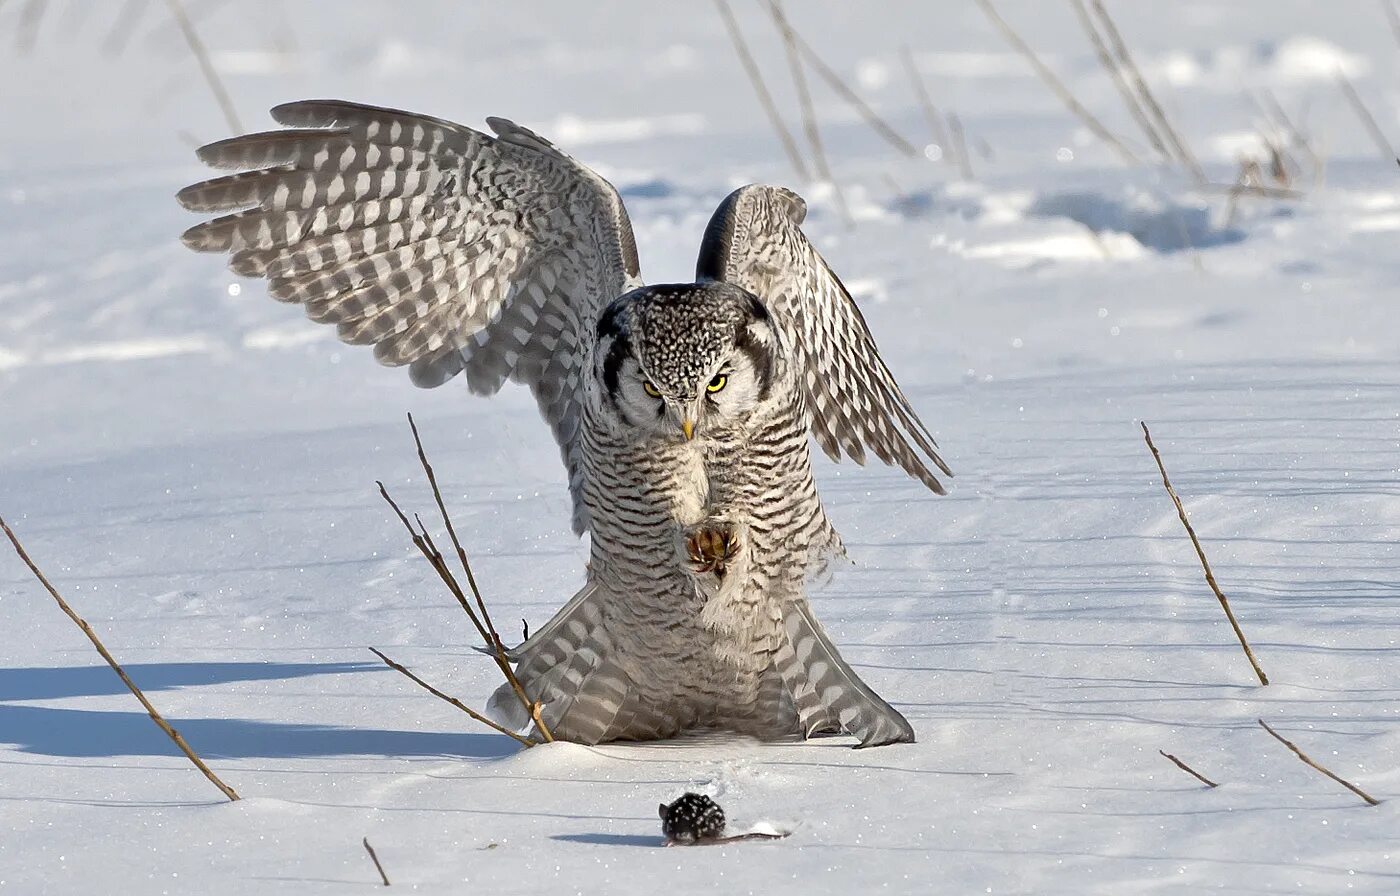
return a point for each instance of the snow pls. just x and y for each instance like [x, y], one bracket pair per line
[193, 465]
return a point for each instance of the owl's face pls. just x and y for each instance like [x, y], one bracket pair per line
[684, 362]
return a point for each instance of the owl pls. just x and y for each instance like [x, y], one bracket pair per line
[683, 412]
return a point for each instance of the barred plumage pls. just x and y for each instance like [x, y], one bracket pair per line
[682, 411]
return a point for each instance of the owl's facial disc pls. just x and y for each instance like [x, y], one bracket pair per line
[681, 361]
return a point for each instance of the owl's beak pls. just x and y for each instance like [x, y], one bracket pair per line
[688, 427]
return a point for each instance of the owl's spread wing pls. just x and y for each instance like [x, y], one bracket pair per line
[447, 249]
[754, 240]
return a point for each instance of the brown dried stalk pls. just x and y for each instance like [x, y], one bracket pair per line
[1057, 86]
[206, 66]
[1392, 15]
[480, 617]
[1149, 101]
[1367, 119]
[1189, 770]
[121, 673]
[402, 670]
[1307, 760]
[375, 859]
[937, 130]
[959, 137]
[1115, 72]
[765, 98]
[809, 115]
[1200, 552]
[872, 118]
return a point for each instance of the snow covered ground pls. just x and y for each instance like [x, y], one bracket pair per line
[193, 465]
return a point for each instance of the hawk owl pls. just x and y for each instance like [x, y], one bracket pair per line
[682, 411]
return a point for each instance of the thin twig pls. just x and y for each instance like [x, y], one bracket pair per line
[526, 741]
[1200, 552]
[375, 859]
[1273, 109]
[959, 139]
[1056, 85]
[101, 649]
[27, 30]
[764, 97]
[1153, 108]
[872, 118]
[1246, 189]
[1359, 107]
[1308, 760]
[123, 27]
[490, 635]
[809, 115]
[937, 130]
[1189, 770]
[1392, 15]
[211, 75]
[1115, 72]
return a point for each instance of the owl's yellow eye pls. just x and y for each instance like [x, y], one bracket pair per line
[651, 390]
[718, 383]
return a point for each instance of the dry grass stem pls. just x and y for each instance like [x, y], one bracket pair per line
[1189, 770]
[959, 141]
[1057, 86]
[446, 698]
[1308, 760]
[1200, 552]
[121, 673]
[764, 97]
[872, 118]
[211, 75]
[479, 615]
[123, 27]
[938, 131]
[1392, 15]
[1367, 119]
[375, 859]
[1115, 72]
[27, 30]
[1149, 101]
[809, 116]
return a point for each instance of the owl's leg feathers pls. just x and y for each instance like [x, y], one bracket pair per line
[827, 692]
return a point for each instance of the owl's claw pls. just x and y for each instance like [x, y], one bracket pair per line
[711, 550]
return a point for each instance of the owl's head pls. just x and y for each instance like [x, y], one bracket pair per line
[686, 359]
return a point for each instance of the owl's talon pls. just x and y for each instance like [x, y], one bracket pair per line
[711, 550]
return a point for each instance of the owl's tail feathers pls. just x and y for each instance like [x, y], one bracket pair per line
[567, 666]
[828, 694]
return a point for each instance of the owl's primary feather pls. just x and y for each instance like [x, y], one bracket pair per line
[500, 257]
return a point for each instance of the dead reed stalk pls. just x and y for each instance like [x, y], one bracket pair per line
[872, 118]
[1115, 72]
[448, 698]
[1200, 552]
[809, 116]
[765, 98]
[121, 673]
[375, 859]
[206, 66]
[959, 139]
[1308, 760]
[1149, 101]
[937, 130]
[1367, 119]
[479, 615]
[1189, 770]
[1057, 86]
